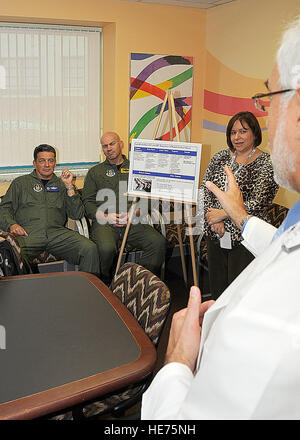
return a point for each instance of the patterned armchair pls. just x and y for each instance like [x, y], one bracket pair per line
[18, 264]
[276, 214]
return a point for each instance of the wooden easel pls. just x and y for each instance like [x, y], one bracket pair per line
[172, 121]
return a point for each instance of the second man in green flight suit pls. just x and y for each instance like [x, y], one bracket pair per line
[110, 216]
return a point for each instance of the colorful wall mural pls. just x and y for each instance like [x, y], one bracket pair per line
[151, 76]
[226, 93]
[225, 105]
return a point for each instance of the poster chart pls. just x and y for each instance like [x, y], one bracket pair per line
[164, 170]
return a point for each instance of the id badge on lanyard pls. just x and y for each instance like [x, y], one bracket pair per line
[225, 241]
[235, 173]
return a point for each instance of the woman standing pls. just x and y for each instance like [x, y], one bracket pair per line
[253, 171]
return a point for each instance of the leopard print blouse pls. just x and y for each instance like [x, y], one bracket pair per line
[255, 180]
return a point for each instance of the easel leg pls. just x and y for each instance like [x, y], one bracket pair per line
[192, 247]
[193, 260]
[160, 116]
[172, 120]
[182, 254]
[170, 98]
[131, 212]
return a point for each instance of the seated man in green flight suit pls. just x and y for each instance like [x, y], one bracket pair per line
[35, 209]
[108, 225]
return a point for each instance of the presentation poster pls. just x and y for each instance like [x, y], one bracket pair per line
[165, 170]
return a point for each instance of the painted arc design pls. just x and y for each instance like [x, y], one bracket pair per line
[216, 104]
[229, 105]
[141, 87]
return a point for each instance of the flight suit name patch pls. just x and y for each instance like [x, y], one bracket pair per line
[52, 188]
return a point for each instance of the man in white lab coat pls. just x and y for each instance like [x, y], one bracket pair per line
[246, 365]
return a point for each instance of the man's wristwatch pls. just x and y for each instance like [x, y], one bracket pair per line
[69, 188]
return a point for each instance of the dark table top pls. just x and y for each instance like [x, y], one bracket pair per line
[68, 339]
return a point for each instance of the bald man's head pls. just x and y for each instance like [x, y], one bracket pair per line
[112, 147]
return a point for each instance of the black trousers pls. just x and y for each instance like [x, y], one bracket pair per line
[224, 265]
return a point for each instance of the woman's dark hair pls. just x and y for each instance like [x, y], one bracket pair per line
[251, 120]
[43, 147]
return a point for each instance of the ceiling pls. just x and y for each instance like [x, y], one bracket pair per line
[202, 4]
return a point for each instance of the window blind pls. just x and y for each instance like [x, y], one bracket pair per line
[50, 80]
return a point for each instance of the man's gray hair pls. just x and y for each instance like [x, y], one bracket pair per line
[288, 57]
